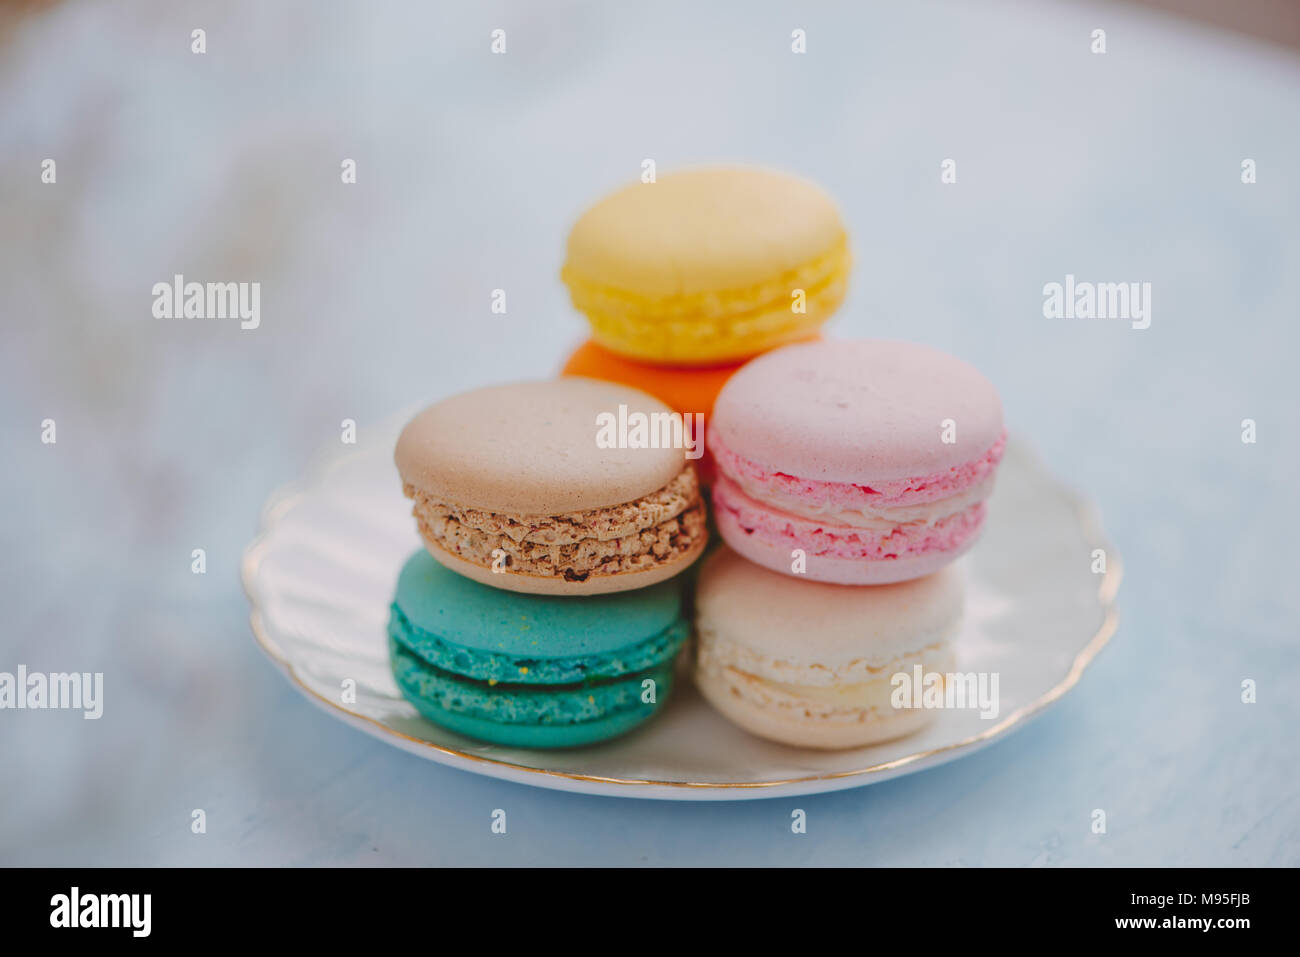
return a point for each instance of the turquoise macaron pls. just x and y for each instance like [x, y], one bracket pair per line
[533, 671]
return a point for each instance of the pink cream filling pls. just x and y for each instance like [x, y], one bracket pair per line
[884, 496]
[842, 541]
[884, 520]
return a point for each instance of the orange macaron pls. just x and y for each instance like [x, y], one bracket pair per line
[685, 389]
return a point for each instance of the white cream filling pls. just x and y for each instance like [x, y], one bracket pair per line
[851, 698]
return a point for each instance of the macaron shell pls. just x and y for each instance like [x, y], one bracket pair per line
[556, 585]
[489, 634]
[777, 557]
[551, 736]
[796, 630]
[702, 230]
[857, 411]
[531, 448]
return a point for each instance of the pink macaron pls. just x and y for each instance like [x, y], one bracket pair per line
[858, 462]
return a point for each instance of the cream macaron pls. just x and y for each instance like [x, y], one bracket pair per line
[812, 664]
[529, 488]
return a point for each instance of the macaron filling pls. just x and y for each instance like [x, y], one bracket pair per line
[878, 497]
[830, 699]
[846, 541]
[634, 536]
[877, 521]
[620, 305]
[716, 324]
[503, 668]
[441, 694]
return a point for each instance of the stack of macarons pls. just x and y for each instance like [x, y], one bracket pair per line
[850, 475]
[686, 278]
[547, 607]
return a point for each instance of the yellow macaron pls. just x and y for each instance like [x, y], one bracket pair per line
[708, 265]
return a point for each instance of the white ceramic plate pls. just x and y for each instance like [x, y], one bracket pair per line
[320, 575]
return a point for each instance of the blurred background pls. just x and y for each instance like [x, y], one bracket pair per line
[1122, 166]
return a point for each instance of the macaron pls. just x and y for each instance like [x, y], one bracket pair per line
[564, 487]
[687, 390]
[855, 462]
[532, 671]
[814, 665]
[707, 266]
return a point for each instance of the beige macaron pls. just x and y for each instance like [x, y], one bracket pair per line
[551, 487]
[813, 664]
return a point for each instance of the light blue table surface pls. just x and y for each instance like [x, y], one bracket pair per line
[471, 166]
